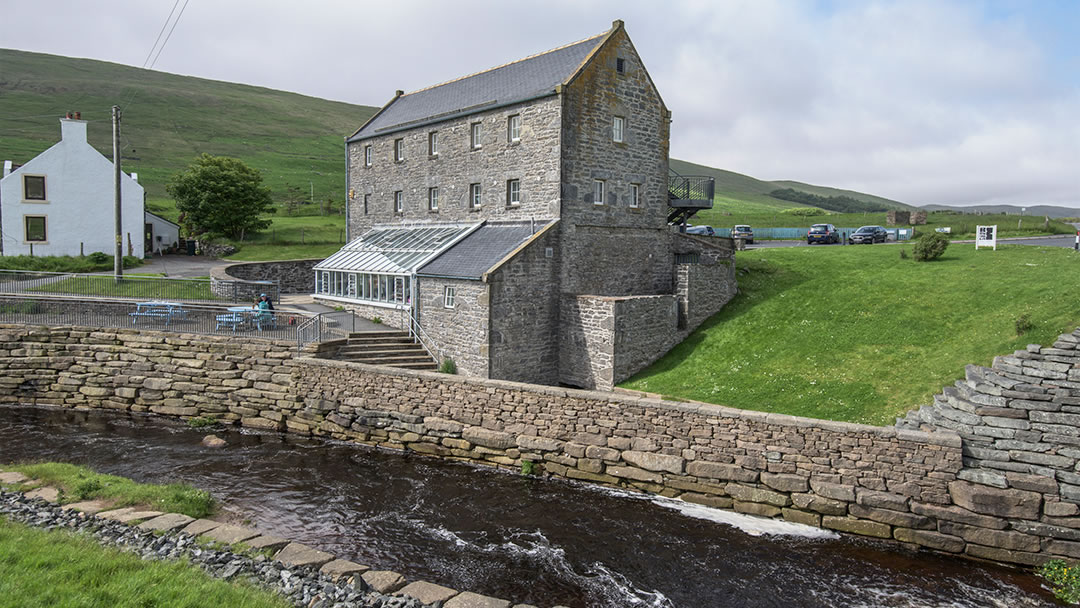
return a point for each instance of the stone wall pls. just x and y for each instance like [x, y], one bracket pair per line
[293, 276]
[897, 218]
[460, 332]
[1020, 422]
[905, 485]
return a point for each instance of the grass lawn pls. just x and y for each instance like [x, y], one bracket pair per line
[80, 483]
[858, 334]
[59, 569]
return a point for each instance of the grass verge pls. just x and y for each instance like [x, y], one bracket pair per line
[80, 483]
[59, 569]
[858, 334]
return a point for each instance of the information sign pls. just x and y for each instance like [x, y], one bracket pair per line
[986, 236]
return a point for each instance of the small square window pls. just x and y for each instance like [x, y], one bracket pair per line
[513, 193]
[449, 295]
[433, 199]
[399, 150]
[367, 156]
[635, 194]
[35, 228]
[474, 135]
[598, 192]
[433, 143]
[620, 65]
[367, 199]
[399, 202]
[474, 196]
[513, 128]
[34, 188]
[617, 126]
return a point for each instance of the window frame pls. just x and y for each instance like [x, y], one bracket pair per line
[475, 133]
[433, 143]
[449, 296]
[367, 199]
[44, 229]
[44, 189]
[618, 129]
[513, 128]
[599, 188]
[399, 201]
[475, 196]
[399, 150]
[513, 193]
[367, 155]
[635, 196]
[433, 198]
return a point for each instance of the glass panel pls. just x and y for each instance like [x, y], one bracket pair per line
[35, 229]
[34, 188]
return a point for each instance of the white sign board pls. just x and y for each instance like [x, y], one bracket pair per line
[986, 236]
[945, 230]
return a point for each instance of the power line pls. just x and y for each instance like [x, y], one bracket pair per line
[163, 26]
[162, 47]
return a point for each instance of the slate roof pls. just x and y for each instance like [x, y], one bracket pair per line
[527, 78]
[477, 253]
[394, 249]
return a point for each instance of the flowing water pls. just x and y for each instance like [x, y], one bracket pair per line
[536, 541]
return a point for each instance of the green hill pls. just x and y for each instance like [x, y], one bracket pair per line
[826, 191]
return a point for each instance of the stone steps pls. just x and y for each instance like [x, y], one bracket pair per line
[388, 347]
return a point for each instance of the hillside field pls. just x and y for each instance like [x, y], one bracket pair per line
[858, 334]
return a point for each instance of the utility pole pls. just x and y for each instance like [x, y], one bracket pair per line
[118, 260]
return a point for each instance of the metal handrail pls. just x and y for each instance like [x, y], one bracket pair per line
[691, 187]
[303, 330]
[416, 332]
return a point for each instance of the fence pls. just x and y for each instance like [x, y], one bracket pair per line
[325, 326]
[798, 234]
[161, 316]
[24, 282]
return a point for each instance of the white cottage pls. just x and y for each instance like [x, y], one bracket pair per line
[61, 202]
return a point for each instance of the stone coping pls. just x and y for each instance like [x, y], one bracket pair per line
[940, 438]
[293, 554]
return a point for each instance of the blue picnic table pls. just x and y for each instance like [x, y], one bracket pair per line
[157, 310]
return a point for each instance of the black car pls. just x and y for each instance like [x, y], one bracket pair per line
[869, 234]
[822, 233]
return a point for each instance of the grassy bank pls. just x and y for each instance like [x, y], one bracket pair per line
[859, 334]
[57, 569]
[80, 483]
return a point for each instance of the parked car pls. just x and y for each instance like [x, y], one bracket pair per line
[822, 233]
[869, 234]
[701, 230]
[742, 231]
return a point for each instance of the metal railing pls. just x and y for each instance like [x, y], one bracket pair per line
[690, 190]
[416, 332]
[107, 286]
[325, 326]
[158, 316]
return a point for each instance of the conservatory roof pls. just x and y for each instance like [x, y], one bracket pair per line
[395, 249]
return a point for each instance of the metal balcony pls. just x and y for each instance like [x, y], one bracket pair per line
[688, 194]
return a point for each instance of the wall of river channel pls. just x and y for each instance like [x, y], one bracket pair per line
[906, 485]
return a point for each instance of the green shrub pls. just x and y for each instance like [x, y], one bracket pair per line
[1064, 579]
[376, 320]
[94, 262]
[1024, 324]
[448, 366]
[528, 467]
[930, 247]
[98, 258]
[805, 211]
[201, 422]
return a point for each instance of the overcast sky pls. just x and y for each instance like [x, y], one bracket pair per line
[937, 101]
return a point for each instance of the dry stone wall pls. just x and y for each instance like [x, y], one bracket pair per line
[912, 486]
[293, 276]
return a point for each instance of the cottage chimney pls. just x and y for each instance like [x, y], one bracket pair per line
[78, 115]
[135, 177]
[7, 168]
[73, 129]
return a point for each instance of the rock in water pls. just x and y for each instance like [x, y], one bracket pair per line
[213, 441]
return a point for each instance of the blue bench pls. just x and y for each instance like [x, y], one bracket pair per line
[232, 320]
[157, 310]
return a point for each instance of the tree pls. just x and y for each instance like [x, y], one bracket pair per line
[930, 246]
[221, 196]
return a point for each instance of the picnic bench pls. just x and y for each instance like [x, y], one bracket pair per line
[157, 310]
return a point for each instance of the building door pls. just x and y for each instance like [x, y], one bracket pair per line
[148, 241]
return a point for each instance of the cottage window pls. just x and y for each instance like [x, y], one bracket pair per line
[399, 202]
[352, 286]
[35, 228]
[598, 192]
[399, 150]
[449, 294]
[513, 128]
[34, 188]
[617, 128]
[513, 193]
[324, 282]
[367, 199]
[433, 143]
[367, 156]
[474, 135]
[620, 65]
[433, 199]
[474, 196]
[635, 194]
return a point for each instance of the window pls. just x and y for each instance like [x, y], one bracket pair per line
[513, 193]
[399, 150]
[513, 128]
[399, 202]
[474, 196]
[449, 294]
[617, 128]
[635, 194]
[620, 65]
[352, 286]
[367, 198]
[433, 199]
[34, 188]
[433, 143]
[598, 192]
[367, 156]
[35, 228]
[474, 135]
[324, 282]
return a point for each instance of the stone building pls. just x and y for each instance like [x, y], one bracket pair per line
[518, 220]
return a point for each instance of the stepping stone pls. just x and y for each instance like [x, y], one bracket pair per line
[89, 507]
[296, 554]
[339, 568]
[201, 526]
[169, 521]
[135, 516]
[114, 514]
[427, 593]
[230, 534]
[13, 477]
[45, 493]
[266, 541]
[383, 581]
[475, 600]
